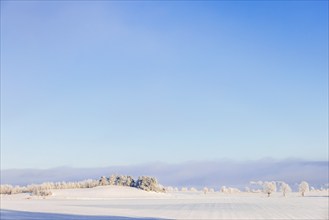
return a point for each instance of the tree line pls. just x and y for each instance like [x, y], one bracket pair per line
[147, 183]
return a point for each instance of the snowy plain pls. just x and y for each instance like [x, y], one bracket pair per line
[126, 203]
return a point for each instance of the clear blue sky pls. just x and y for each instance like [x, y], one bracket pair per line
[89, 84]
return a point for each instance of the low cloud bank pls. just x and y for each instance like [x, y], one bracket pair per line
[194, 173]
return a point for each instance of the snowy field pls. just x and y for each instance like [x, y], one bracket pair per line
[126, 203]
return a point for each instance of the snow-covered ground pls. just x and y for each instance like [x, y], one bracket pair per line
[125, 203]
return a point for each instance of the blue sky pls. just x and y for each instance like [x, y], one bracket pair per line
[89, 84]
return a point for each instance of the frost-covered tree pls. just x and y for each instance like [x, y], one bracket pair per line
[184, 189]
[121, 180]
[269, 187]
[103, 181]
[124, 181]
[130, 181]
[256, 186]
[233, 190]
[211, 190]
[148, 184]
[6, 189]
[18, 189]
[90, 183]
[112, 179]
[192, 189]
[145, 183]
[169, 189]
[285, 188]
[205, 190]
[303, 187]
[225, 189]
[40, 190]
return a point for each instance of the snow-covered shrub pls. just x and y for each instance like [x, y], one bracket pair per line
[148, 184]
[90, 183]
[303, 187]
[9, 189]
[47, 186]
[269, 187]
[211, 190]
[41, 192]
[18, 189]
[285, 188]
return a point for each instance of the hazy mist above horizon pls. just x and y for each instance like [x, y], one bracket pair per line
[215, 173]
[111, 83]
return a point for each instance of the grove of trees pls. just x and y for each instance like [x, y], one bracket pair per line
[143, 182]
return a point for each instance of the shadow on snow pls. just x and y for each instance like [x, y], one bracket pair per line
[21, 215]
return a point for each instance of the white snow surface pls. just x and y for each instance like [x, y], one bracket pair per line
[117, 202]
